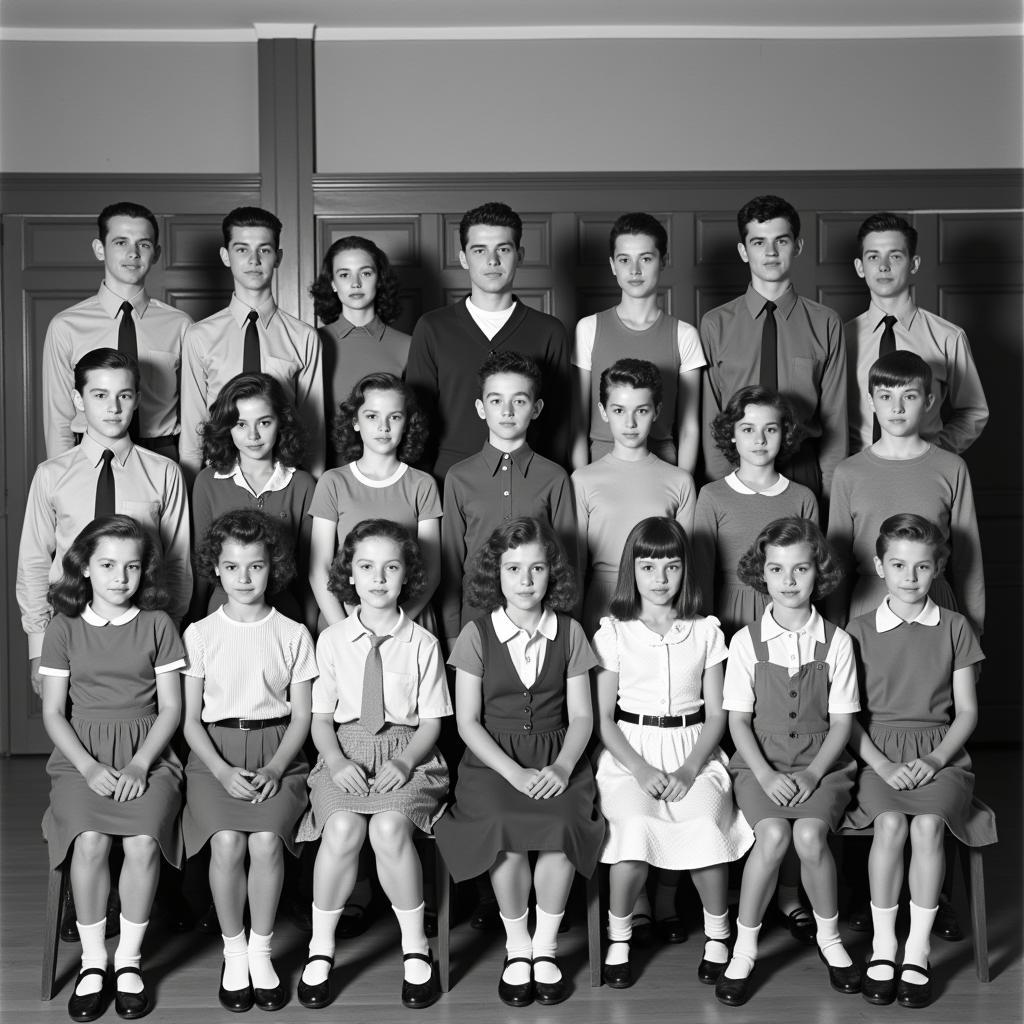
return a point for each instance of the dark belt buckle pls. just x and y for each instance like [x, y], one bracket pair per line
[243, 724]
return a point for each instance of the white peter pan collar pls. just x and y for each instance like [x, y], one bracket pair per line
[505, 628]
[886, 618]
[741, 488]
[95, 620]
[814, 627]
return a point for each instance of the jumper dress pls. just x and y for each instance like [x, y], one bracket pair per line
[790, 722]
[489, 815]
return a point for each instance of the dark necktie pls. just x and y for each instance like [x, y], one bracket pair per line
[105, 486]
[371, 710]
[128, 343]
[886, 345]
[251, 351]
[769, 349]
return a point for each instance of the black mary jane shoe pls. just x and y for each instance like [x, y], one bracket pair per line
[734, 991]
[485, 917]
[801, 925]
[914, 997]
[418, 996]
[515, 995]
[945, 925]
[68, 918]
[880, 993]
[708, 971]
[315, 997]
[236, 1000]
[643, 930]
[671, 929]
[354, 920]
[859, 918]
[131, 1005]
[843, 979]
[270, 998]
[618, 975]
[91, 1006]
[549, 993]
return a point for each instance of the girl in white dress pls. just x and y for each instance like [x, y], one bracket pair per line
[661, 778]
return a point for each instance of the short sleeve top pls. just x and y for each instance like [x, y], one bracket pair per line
[111, 665]
[660, 675]
[247, 667]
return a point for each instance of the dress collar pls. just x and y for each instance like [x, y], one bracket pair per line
[741, 488]
[279, 479]
[886, 618]
[505, 628]
[97, 620]
[343, 328]
[814, 627]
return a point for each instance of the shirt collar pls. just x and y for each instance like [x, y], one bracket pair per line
[111, 301]
[95, 620]
[240, 310]
[783, 304]
[814, 627]
[520, 458]
[505, 628]
[905, 317]
[278, 481]
[92, 450]
[886, 618]
[678, 632]
[741, 488]
[375, 328]
[353, 629]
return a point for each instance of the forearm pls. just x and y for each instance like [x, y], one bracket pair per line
[707, 743]
[577, 736]
[748, 747]
[418, 749]
[291, 742]
[476, 737]
[66, 740]
[618, 746]
[202, 746]
[160, 735]
[330, 607]
[960, 731]
[835, 742]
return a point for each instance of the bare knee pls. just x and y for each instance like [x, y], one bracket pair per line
[927, 831]
[92, 846]
[141, 850]
[773, 836]
[891, 828]
[390, 832]
[227, 849]
[343, 834]
[264, 847]
[809, 838]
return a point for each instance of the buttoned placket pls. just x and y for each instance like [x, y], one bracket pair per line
[506, 487]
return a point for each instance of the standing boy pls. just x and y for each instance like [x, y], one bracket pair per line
[252, 335]
[122, 316]
[506, 479]
[774, 337]
[104, 474]
[887, 262]
[449, 344]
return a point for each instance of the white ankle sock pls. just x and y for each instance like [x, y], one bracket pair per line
[883, 942]
[620, 931]
[236, 962]
[830, 943]
[744, 952]
[261, 970]
[129, 954]
[517, 944]
[94, 954]
[414, 940]
[545, 943]
[919, 944]
[716, 932]
[325, 923]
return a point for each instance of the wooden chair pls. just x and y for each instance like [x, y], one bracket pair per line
[56, 887]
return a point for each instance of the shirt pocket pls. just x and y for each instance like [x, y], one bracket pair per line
[400, 696]
[145, 513]
[284, 370]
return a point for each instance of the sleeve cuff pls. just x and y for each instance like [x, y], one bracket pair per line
[57, 673]
[738, 705]
[852, 708]
[174, 666]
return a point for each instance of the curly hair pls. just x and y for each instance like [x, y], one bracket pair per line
[483, 582]
[219, 448]
[912, 527]
[655, 537]
[724, 423]
[326, 303]
[339, 576]
[345, 438]
[783, 533]
[72, 592]
[247, 526]
[631, 373]
[639, 224]
[765, 208]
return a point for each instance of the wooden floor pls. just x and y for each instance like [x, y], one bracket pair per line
[183, 969]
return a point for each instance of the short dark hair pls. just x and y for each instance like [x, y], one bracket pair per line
[912, 527]
[505, 361]
[344, 436]
[248, 526]
[631, 373]
[219, 448]
[724, 423]
[341, 568]
[250, 217]
[125, 209]
[898, 369]
[483, 583]
[764, 208]
[72, 592]
[104, 359]
[325, 300]
[494, 215]
[655, 537]
[784, 533]
[639, 224]
[888, 222]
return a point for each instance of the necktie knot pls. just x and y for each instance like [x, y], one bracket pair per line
[376, 641]
[126, 308]
[107, 457]
[252, 317]
[889, 321]
[770, 307]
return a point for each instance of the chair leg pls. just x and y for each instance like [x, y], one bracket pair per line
[55, 887]
[442, 886]
[974, 883]
[594, 927]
